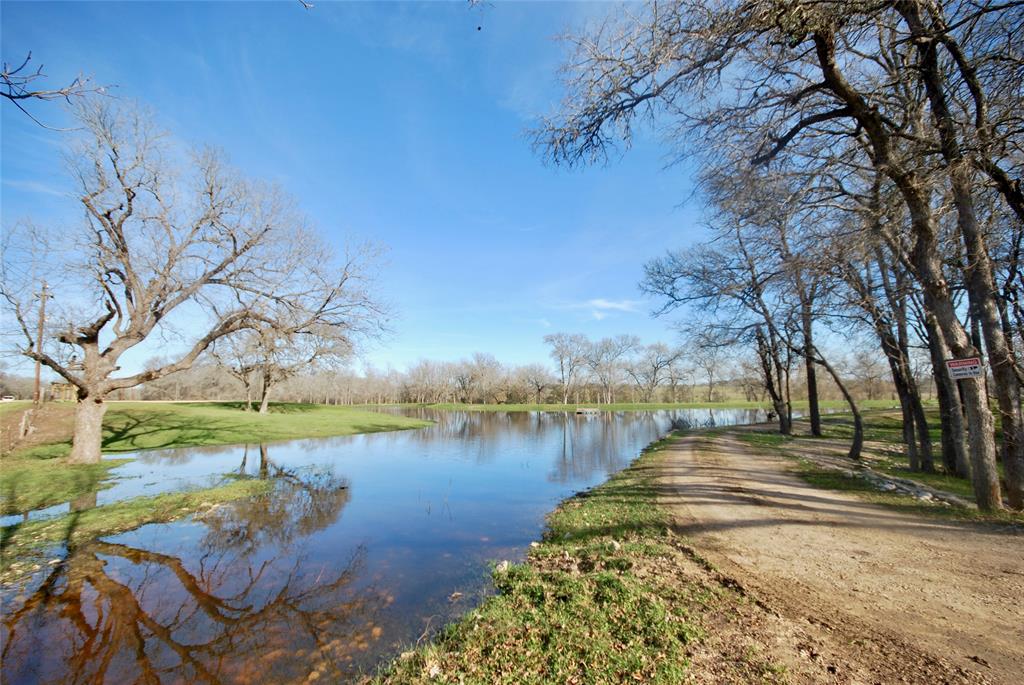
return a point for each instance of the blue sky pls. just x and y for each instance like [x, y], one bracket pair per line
[398, 123]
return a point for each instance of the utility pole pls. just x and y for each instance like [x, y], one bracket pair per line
[38, 396]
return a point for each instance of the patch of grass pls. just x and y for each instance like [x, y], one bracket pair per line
[885, 429]
[760, 439]
[892, 463]
[831, 479]
[16, 405]
[898, 468]
[41, 479]
[20, 540]
[601, 600]
[130, 426]
[39, 476]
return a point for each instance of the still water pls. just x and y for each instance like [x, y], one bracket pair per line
[365, 545]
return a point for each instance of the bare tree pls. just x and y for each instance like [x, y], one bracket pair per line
[318, 315]
[925, 93]
[21, 83]
[239, 355]
[606, 359]
[651, 368]
[215, 250]
[569, 352]
[705, 353]
[537, 379]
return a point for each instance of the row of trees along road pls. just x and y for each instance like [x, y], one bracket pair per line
[176, 246]
[862, 161]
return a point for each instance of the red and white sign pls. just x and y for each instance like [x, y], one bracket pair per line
[965, 368]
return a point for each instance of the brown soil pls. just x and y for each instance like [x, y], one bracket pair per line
[53, 422]
[845, 591]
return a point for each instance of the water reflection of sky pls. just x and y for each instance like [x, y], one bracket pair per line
[408, 518]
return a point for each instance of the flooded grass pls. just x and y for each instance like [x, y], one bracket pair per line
[603, 598]
[362, 544]
[38, 476]
[143, 426]
[40, 479]
[20, 543]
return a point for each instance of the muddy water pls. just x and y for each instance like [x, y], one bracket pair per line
[363, 546]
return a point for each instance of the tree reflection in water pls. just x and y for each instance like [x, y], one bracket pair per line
[112, 612]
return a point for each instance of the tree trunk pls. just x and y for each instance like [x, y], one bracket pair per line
[772, 382]
[981, 288]
[812, 377]
[981, 293]
[86, 446]
[951, 413]
[913, 457]
[858, 423]
[265, 400]
[938, 303]
[924, 439]
[927, 265]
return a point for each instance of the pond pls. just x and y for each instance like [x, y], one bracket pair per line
[363, 546]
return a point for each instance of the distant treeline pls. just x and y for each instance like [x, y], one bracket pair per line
[617, 369]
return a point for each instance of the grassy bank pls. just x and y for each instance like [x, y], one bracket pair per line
[38, 476]
[641, 406]
[884, 453]
[21, 542]
[605, 597]
[130, 426]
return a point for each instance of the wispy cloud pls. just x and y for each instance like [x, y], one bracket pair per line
[602, 304]
[600, 308]
[35, 187]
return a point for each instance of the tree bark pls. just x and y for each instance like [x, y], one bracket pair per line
[857, 444]
[913, 457]
[981, 287]
[927, 266]
[951, 413]
[265, 395]
[807, 323]
[86, 446]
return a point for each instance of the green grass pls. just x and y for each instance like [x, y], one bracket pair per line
[886, 428]
[602, 599]
[17, 405]
[897, 467]
[830, 479]
[19, 542]
[39, 477]
[641, 406]
[130, 426]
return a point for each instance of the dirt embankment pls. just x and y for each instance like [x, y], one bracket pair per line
[53, 422]
[848, 591]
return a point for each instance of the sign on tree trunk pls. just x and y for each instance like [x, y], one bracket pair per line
[965, 368]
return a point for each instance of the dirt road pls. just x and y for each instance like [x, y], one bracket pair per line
[850, 591]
